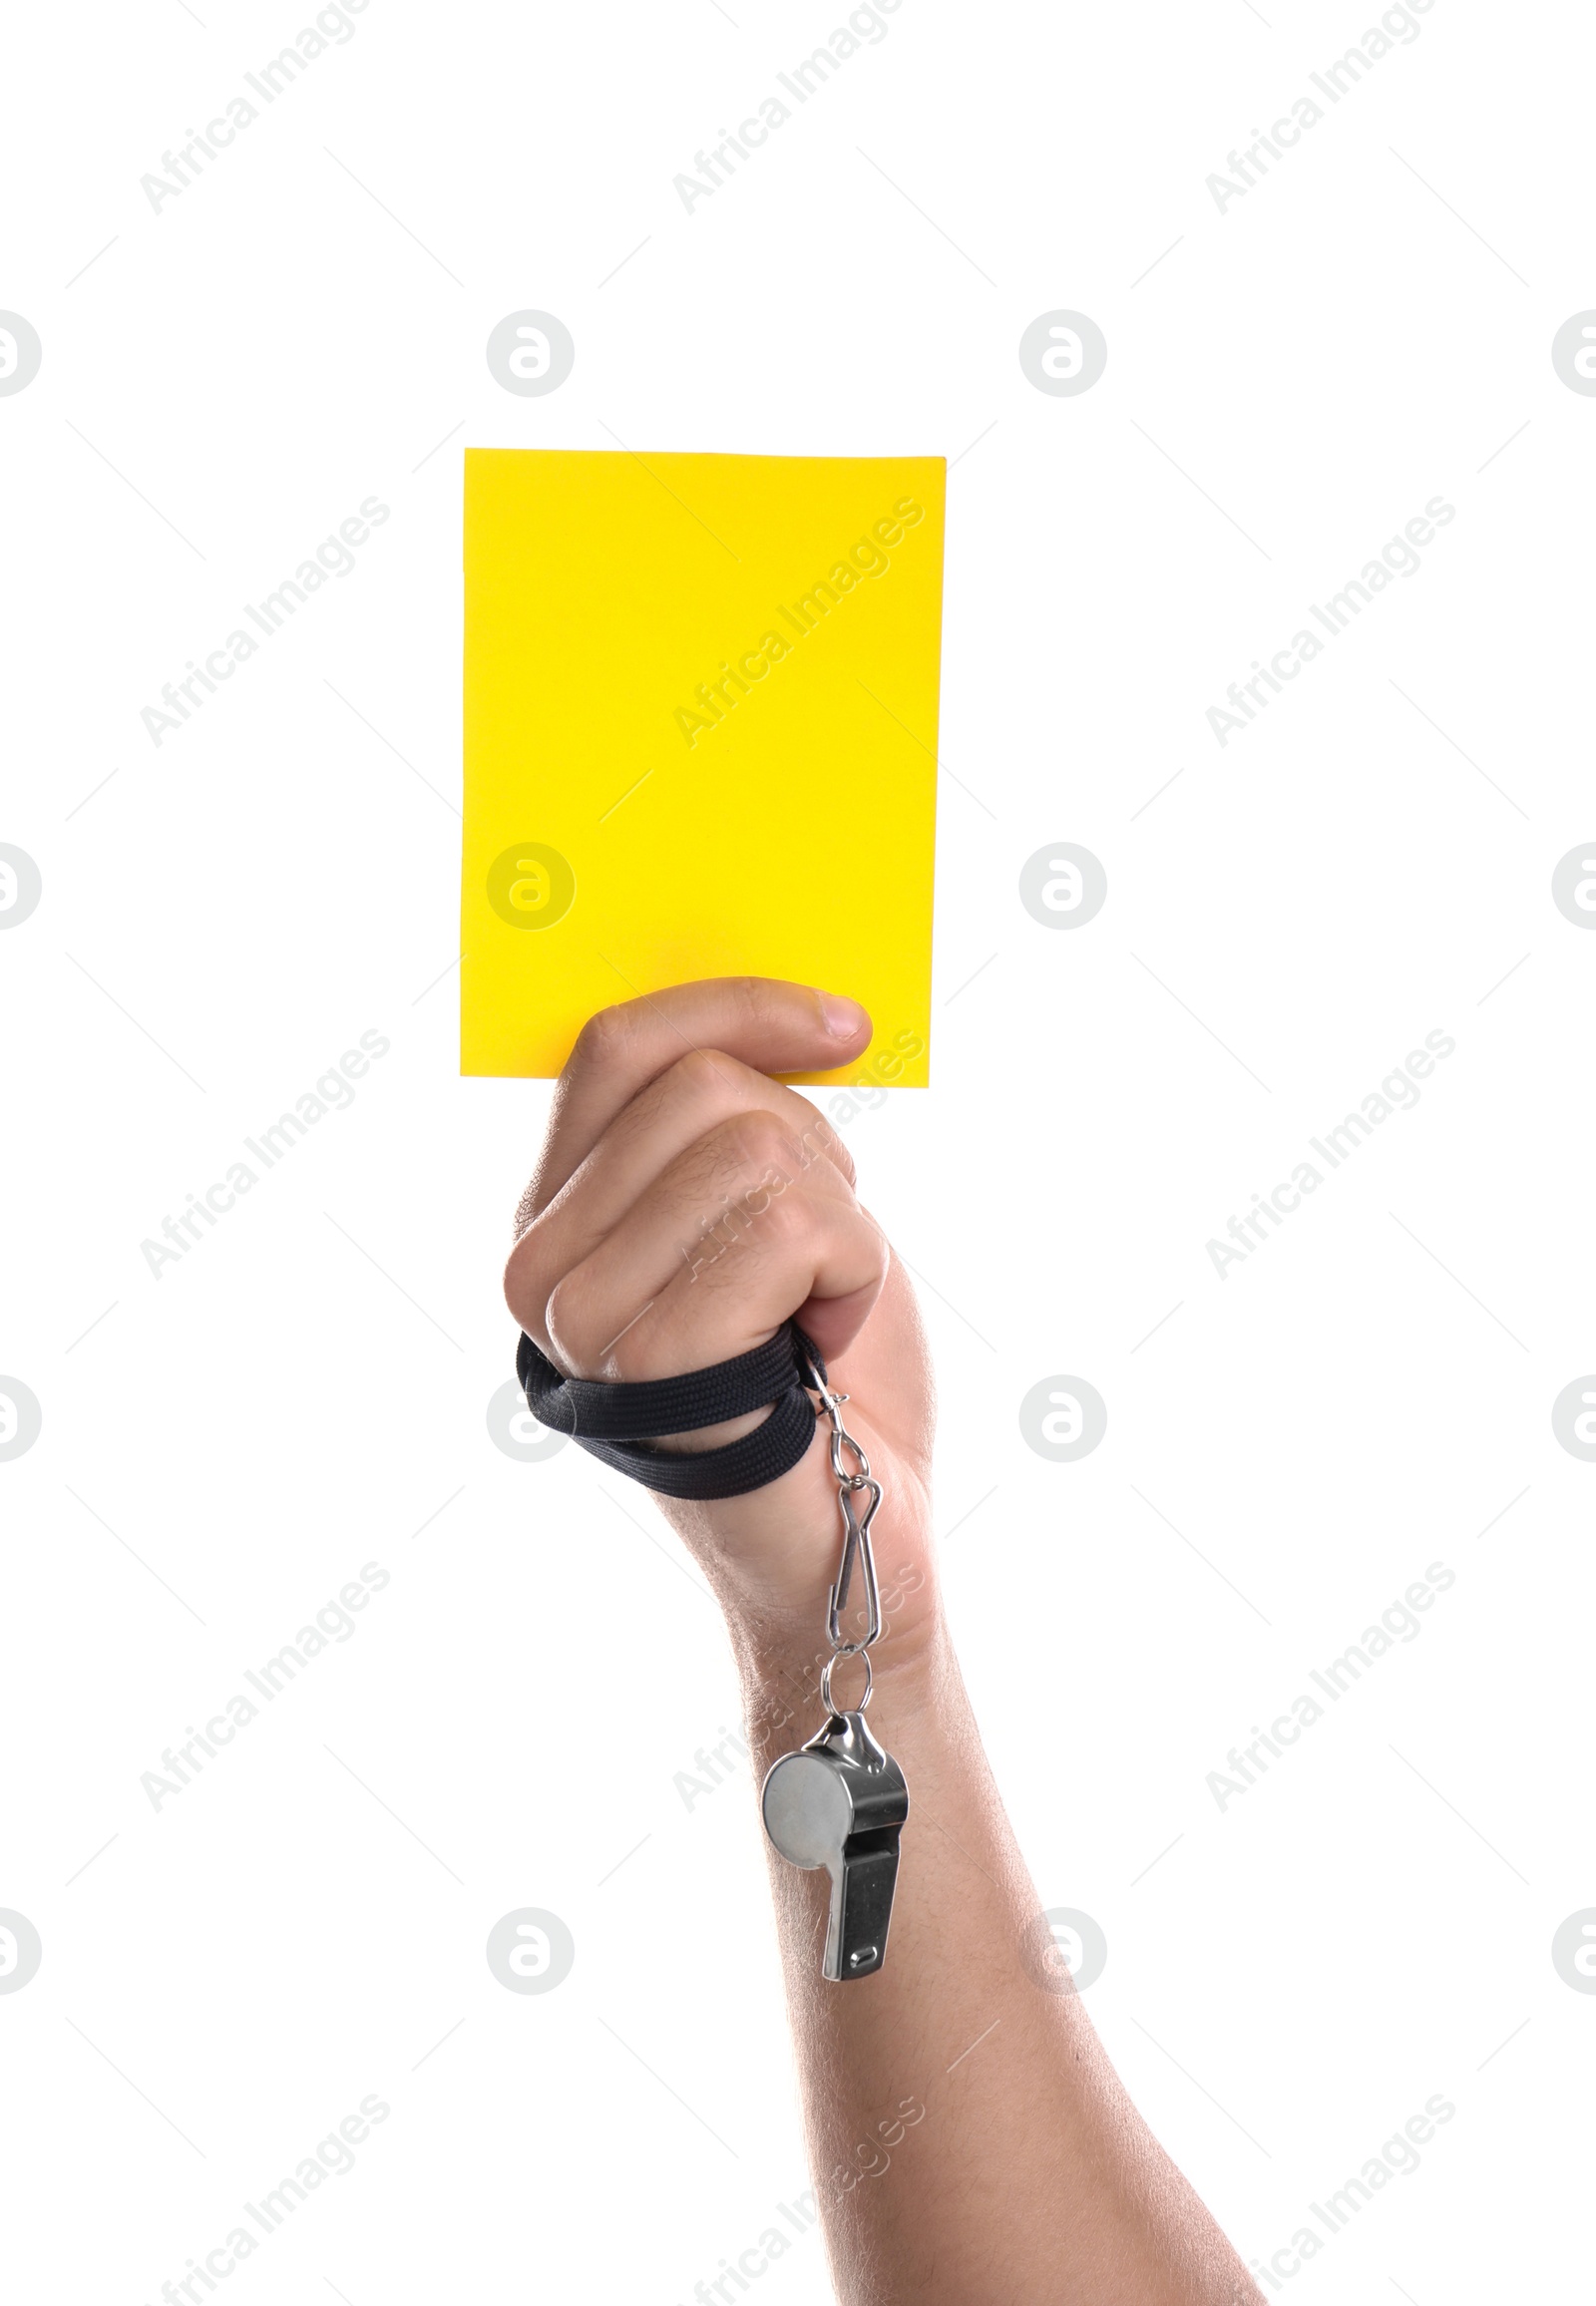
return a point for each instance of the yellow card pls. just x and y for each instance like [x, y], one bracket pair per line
[700, 739]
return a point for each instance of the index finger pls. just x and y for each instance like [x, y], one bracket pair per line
[768, 1024]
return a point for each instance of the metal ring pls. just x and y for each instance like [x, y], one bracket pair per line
[824, 1679]
[839, 1442]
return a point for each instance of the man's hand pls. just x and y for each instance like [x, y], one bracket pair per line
[685, 1205]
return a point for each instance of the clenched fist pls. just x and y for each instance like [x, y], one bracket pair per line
[684, 1204]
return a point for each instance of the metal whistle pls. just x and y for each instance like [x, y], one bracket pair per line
[840, 1803]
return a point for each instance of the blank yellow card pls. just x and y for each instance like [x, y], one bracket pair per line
[701, 738]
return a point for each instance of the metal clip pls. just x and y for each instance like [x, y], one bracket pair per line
[839, 1801]
[856, 1544]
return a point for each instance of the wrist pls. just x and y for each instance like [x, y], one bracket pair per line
[780, 1661]
[770, 1556]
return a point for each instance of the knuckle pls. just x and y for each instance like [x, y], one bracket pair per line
[785, 1217]
[567, 1316]
[819, 1137]
[762, 1140]
[600, 1040]
[527, 1282]
[560, 1305]
[525, 1209]
[780, 1220]
[638, 1356]
[702, 1074]
[721, 1157]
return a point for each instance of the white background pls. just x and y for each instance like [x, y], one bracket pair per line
[1370, 1392]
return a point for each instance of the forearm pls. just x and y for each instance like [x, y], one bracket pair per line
[970, 2139]
[968, 2136]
